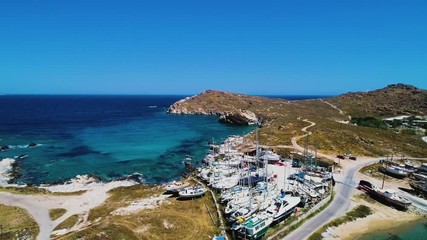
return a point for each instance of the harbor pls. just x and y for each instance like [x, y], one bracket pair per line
[257, 188]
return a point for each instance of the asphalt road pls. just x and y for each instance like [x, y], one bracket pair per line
[344, 192]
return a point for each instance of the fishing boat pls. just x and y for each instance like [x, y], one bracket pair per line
[192, 192]
[255, 227]
[385, 195]
[283, 207]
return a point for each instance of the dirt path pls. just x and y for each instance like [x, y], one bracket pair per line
[38, 205]
[295, 144]
[333, 106]
[37, 211]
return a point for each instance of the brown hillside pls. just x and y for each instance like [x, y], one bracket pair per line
[393, 100]
[282, 120]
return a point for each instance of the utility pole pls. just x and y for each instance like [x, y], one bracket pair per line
[382, 187]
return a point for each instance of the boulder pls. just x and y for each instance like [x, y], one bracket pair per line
[4, 148]
[241, 117]
[32, 145]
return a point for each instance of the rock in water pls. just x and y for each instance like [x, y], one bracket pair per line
[4, 148]
[32, 145]
[242, 117]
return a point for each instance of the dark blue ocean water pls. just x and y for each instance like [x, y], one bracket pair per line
[109, 136]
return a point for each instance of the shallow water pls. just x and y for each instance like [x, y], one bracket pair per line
[412, 231]
[109, 136]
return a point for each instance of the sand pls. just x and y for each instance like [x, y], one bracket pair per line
[384, 217]
[38, 205]
[142, 204]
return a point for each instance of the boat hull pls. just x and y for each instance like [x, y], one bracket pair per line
[283, 216]
[384, 199]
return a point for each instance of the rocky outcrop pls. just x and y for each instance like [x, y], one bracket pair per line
[241, 117]
[179, 108]
[232, 108]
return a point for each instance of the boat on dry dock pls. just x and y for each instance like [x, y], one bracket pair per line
[386, 196]
[192, 192]
[283, 207]
[254, 227]
[394, 171]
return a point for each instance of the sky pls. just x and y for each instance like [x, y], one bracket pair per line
[185, 47]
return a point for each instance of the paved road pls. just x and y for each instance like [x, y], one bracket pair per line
[344, 191]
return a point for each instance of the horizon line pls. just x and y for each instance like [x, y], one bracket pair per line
[148, 94]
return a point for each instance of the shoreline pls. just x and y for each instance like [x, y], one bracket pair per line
[390, 228]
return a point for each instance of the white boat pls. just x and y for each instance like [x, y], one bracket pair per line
[225, 182]
[237, 203]
[269, 156]
[396, 171]
[175, 187]
[283, 207]
[192, 192]
[243, 213]
[232, 192]
[311, 192]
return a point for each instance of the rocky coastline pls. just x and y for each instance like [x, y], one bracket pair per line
[233, 116]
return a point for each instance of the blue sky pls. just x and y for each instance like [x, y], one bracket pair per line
[185, 47]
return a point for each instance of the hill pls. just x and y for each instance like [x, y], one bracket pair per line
[393, 100]
[281, 120]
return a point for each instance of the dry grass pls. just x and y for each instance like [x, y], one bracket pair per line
[16, 223]
[121, 196]
[56, 213]
[35, 190]
[68, 223]
[179, 219]
[282, 120]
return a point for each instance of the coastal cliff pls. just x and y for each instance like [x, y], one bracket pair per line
[230, 107]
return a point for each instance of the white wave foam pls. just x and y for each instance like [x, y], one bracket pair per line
[86, 183]
[6, 170]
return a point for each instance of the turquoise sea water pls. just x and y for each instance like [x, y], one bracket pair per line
[411, 231]
[109, 136]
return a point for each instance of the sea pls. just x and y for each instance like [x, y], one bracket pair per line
[411, 231]
[106, 136]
